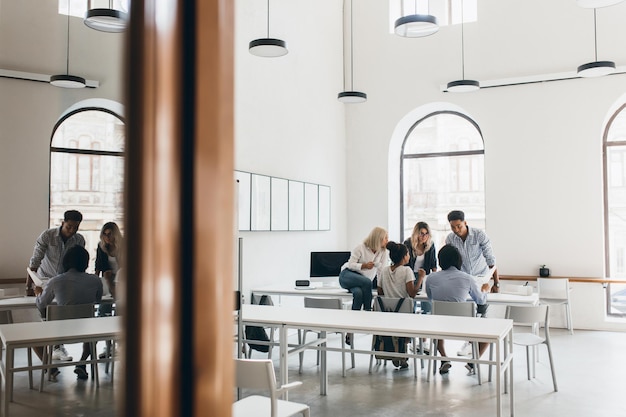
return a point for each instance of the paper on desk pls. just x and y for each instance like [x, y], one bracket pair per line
[483, 279]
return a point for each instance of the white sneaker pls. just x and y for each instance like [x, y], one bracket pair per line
[466, 350]
[60, 354]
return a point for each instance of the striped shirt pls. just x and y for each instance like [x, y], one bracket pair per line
[476, 251]
[49, 251]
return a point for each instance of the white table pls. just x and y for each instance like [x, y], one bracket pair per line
[27, 335]
[338, 292]
[496, 331]
[16, 303]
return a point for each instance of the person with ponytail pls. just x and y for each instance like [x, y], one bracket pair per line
[397, 280]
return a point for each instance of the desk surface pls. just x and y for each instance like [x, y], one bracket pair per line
[29, 334]
[443, 327]
[338, 292]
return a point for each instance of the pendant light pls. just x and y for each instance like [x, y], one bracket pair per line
[463, 85]
[596, 68]
[415, 25]
[593, 4]
[66, 80]
[351, 96]
[105, 19]
[268, 47]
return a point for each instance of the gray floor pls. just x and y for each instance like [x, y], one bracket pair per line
[591, 372]
[590, 366]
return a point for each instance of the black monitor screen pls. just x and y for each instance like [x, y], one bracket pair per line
[327, 264]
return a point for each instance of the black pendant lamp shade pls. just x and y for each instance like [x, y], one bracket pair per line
[66, 80]
[106, 20]
[463, 85]
[350, 96]
[416, 26]
[596, 68]
[268, 47]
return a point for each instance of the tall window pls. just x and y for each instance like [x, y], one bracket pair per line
[615, 209]
[87, 171]
[442, 169]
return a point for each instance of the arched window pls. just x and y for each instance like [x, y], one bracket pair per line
[442, 169]
[87, 170]
[615, 209]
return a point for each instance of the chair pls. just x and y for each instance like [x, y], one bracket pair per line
[453, 308]
[65, 312]
[263, 300]
[536, 317]
[259, 374]
[555, 291]
[389, 304]
[327, 303]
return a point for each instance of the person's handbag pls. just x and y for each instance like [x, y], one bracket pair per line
[257, 332]
[389, 343]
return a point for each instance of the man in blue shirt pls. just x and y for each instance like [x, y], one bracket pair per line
[451, 284]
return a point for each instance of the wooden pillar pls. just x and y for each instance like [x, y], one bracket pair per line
[179, 209]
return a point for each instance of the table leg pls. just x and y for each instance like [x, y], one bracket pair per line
[509, 343]
[283, 342]
[323, 366]
[8, 386]
[499, 377]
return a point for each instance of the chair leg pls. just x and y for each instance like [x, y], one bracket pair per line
[269, 352]
[552, 367]
[432, 363]
[352, 354]
[301, 338]
[44, 360]
[490, 359]
[528, 361]
[475, 353]
[570, 325]
[343, 354]
[30, 365]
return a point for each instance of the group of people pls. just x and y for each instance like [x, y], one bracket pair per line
[61, 260]
[400, 269]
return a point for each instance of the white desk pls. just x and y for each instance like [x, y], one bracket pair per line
[27, 335]
[496, 331]
[16, 303]
[338, 292]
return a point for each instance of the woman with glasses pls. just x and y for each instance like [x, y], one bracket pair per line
[108, 254]
[422, 259]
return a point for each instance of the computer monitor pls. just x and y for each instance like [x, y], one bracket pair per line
[326, 266]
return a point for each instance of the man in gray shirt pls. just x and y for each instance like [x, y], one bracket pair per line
[452, 284]
[74, 286]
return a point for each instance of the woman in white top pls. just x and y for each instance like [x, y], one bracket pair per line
[397, 280]
[366, 260]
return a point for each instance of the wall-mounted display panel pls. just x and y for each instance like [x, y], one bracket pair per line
[311, 209]
[280, 204]
[260, 202]
[296, 205]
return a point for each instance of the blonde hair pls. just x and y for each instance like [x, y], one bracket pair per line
[375, 238]
[114, 249]
[415, 237]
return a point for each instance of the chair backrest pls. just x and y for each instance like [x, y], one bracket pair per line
[6, 317]
[554, 288]
[390, 303]
[453, 308]
[328, 303]
[257, 374]
[75, 311]
[529, 315]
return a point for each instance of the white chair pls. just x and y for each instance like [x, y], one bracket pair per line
[65, 312]
[389, 305]
[332, 304]
[453, 308]
[259, 374]
[555, 291]
[536, 317]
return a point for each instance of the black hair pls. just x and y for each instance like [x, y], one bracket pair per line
[449, 256]
[76, 258]
[456, 215]
[397, 252]
[73, 215]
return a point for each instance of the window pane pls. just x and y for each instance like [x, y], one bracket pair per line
[445, 132]
[90, 129]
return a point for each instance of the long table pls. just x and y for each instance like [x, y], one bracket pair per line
[495, 331]
[28, 335]
[338, 292]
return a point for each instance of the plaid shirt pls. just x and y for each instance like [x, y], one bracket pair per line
[476, 251]
[49, 251]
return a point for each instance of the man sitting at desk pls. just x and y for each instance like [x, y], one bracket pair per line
[452, 284]
[74, 286]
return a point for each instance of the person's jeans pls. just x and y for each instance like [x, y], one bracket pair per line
[360, 287]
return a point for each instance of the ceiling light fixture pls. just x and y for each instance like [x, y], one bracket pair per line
[463, 85]
[596, 68]
[268, 47]
[415, 25]
[351, 96]
[593, 4]
[66, 80]
[105, 19]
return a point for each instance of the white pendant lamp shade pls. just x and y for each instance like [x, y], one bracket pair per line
[463, 86]
[416, 26]
[67, 81]
[594, 4]
[351, 97]
[268, 47]
[596, 68]
[106, 20]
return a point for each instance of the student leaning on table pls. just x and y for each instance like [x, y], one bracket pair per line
[74, 286]
[452, 284]
[359, 273]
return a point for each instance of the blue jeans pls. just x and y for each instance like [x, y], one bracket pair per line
[360, 287]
